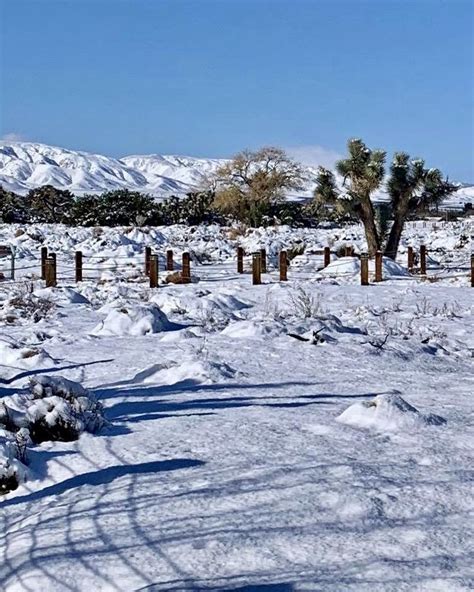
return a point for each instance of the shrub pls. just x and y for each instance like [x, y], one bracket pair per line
[54, 409]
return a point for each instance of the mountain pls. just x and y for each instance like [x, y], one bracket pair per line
[26, 165]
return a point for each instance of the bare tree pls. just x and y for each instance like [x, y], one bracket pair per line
[249, 184]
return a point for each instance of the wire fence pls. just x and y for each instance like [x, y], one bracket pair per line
[309, 266]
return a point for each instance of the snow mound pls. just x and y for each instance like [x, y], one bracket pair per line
[342, 266]
[346, 266]
[133, 320]
[252, 329]
[387, 413]
[191, 372]
[390, 268]
[16, 355]
[54, 408]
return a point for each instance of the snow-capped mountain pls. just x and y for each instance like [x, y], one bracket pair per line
[26, 165]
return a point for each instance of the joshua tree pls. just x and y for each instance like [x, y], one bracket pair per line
[411, 187]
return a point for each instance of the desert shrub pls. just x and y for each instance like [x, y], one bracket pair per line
[195, 208]
[175, 278]
[12, 207]
[49, 204]
[114, 208]
[295, 251]
[305, 305]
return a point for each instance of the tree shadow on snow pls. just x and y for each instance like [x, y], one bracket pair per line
[278, 587]
[36, 371]
[188, 384]
[154, 406]
[104, 476]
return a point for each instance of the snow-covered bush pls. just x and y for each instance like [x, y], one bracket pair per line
[12, 457]
[54, 409]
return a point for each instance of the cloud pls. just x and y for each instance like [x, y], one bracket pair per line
[314, 155]
[12, 137]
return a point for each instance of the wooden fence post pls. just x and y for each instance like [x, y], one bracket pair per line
[364, 269]
[12, 265]
[256, 269]
[411, 259]
[169, 260]
[50, 272]
[44, 254]
[240, 260]
[423, 259]
[186, 270]
[283, 266]
[472, 270]
[263, 260]
[327, 256]
[378, 266]
[55, 267]
[153, 271]
[78, 261]
[147, 260]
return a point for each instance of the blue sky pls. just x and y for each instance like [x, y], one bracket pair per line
[210, 77]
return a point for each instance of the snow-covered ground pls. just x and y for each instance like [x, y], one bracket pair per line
[308, 435]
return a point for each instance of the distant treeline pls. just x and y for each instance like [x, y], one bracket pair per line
[48, 204]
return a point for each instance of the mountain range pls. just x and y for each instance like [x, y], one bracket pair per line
[26, 165]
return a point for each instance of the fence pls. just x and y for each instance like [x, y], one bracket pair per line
[82, 267]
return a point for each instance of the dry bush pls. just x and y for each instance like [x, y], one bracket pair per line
[295, 250]
[306, 305]
[175, 278]
[236, 232]
[26, 305]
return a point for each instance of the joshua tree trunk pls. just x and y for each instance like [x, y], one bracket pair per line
[367, 216]
[393, 241]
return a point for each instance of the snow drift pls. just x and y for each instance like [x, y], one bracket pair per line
[133, 320]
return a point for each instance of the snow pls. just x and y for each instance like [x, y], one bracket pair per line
[26, 165]
[232, 454]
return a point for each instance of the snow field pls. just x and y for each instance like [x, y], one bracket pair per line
[238, 456]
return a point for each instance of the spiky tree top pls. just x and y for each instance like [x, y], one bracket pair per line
[364, 169]
[411, 186]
